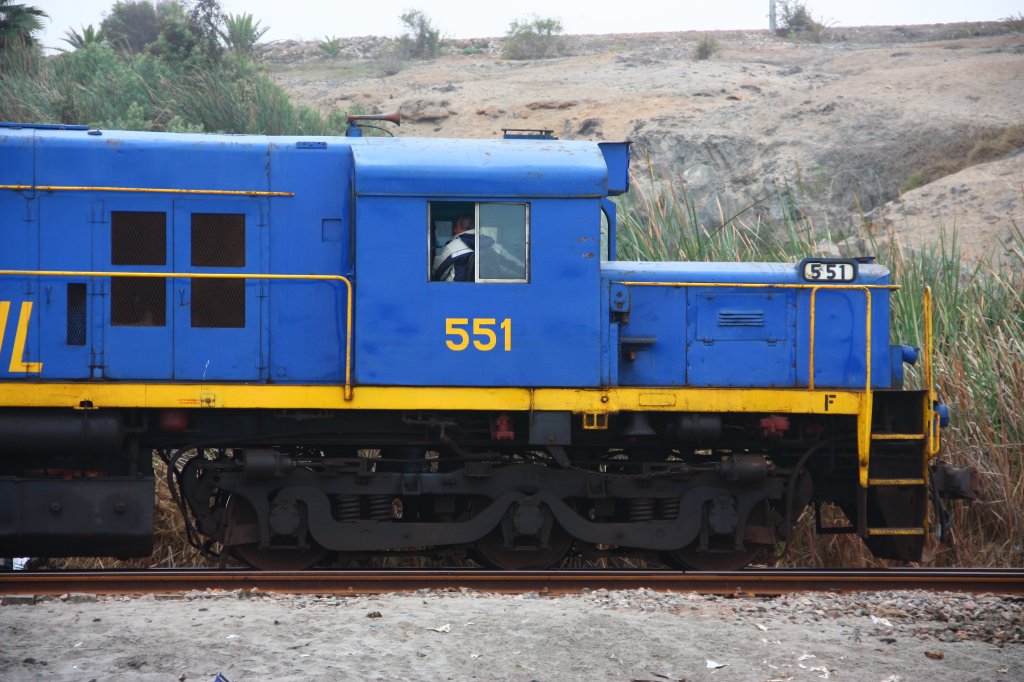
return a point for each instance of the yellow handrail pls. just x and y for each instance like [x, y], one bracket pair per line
[148, 190]
[204, 275]
[931, 418]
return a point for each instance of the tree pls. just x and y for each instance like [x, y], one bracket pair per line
[240, 34]
[534, 38]
[88, 36]
[132, 25]
[18, 23]
[205, 18]
[421, 40]
[177, 41]
[796, 21]
[178, 31]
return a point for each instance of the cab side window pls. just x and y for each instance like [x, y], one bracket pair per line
[503, 232]
[478, 242]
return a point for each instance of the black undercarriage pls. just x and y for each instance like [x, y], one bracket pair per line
[291, 489]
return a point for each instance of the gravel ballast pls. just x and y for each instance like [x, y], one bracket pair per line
[468, 635]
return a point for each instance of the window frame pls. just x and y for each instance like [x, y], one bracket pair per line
[432, 249]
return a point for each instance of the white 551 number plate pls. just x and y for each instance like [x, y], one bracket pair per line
[835, 270]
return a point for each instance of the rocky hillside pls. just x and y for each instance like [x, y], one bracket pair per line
[919, 129]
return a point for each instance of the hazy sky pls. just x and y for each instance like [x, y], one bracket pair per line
[314, 19]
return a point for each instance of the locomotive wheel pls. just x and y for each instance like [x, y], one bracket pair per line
[721, 554]
[491, 550]
[273, 559]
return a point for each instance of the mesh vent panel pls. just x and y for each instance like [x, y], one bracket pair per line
[218, 303]
[138, 238]
[218, 240]
[138, 302]
[76, 315]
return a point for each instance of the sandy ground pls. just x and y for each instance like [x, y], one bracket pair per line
[465, 635]
[840, 126]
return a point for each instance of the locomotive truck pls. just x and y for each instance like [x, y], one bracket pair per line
[261, 313]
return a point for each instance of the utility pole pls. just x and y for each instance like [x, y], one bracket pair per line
[771, 15]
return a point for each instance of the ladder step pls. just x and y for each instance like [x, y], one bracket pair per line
[836, 530]
[897, 436]
[895, 481]
[895, 531]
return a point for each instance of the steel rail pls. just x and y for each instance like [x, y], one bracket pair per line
[747, 582]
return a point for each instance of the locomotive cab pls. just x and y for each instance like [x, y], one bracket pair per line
[529, 312]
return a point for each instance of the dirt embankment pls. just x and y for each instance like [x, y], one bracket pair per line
[871, 123]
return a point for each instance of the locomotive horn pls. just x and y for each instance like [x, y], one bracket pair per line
[394, 117]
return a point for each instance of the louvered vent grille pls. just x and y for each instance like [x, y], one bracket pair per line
[744, 318]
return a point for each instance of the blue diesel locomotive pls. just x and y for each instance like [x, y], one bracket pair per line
[265, 313]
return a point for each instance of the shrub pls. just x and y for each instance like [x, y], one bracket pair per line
[420, 40]
[706, 46]
[534, 39]
[796, 22]
[330, 47]
[391, 63]
[1014, 22]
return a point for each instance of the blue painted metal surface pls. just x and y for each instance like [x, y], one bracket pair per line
[401, 316]
[756, 337]
[616, 156]
[42, 126]
[360, 207]
[472, 168]
[309, 234]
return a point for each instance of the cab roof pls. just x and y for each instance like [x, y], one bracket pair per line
[492, 168]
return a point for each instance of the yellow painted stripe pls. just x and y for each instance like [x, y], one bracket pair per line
[148, 190]
[895, 531]
[895, 481]
[5, 310]
[18, 363]
[594, 401]
[897, 436]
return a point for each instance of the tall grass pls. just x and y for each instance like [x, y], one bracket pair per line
[979, 370]
[979, 356]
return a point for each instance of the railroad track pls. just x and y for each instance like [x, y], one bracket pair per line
[747, 582]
